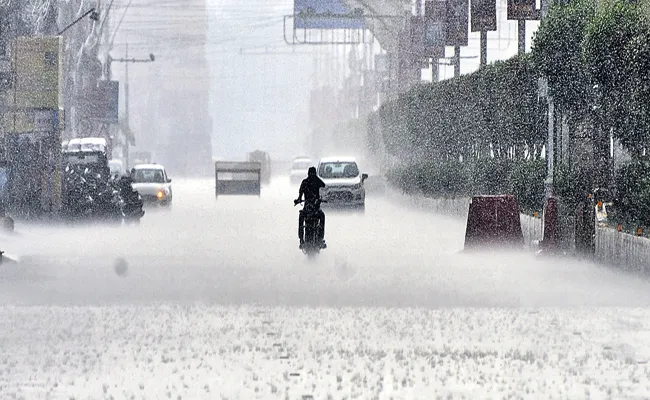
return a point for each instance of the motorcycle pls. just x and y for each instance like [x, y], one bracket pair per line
[311, 227]
[77, 201]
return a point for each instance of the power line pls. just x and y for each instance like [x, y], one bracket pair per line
[120, 23]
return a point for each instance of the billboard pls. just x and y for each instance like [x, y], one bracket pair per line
[523, 10]
[484, 15]
[326, 14]
[434, 36]
[104, 102]
[39, 69]
[456, 24]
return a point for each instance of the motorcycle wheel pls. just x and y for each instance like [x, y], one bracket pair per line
[311, 237]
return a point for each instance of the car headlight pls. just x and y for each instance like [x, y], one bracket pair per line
[162, 193]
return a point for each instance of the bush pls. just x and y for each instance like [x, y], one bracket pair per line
[492, 110]
[632, 202]
[596, 57]
[527, 180]
[491, 176]
[453, 179]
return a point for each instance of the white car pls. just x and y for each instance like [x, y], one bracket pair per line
[344, 182]
[152, 183]
[299, 169]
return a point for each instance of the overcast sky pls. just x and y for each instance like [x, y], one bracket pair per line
[257, 101]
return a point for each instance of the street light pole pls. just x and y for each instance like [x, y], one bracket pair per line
[94, 15]
[126, 108]
[126, 124]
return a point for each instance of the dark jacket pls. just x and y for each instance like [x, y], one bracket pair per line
[310, 187]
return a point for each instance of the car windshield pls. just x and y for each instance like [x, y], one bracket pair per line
[333, 170]
[148, 176]
[301, 164]
[82, 159]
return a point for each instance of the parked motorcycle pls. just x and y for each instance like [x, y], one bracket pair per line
[91, 195]
[77, 199]
[130, 200]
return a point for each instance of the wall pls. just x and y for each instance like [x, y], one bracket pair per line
[622, 250]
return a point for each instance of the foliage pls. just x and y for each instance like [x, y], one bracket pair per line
[595, 56]
[572, 183]
[616, 57]
[633, 192]
[494, 111]
[527, 182]
[556, 54]
[524, 179]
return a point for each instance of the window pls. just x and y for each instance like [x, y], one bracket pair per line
[301, 164]
[51, 59]
[82, 159]
[148, 176]
[333, 170]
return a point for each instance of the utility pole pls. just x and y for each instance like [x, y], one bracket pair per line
[550, 153]
[126, 127]
[419, 12]
[456, 61]
[127, 124]
[521, 36]
[483, 40]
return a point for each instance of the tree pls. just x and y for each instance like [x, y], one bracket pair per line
[556, 54]
[616, 56]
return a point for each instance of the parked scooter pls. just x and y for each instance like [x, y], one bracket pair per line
[130, 200]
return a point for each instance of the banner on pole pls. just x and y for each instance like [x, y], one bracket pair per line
[434, 28]
[484, 15]
[523, 10]
[326, 14]
[456, 24]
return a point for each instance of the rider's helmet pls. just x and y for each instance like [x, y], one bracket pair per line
[311, 171]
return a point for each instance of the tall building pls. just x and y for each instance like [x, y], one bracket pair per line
[169, 98]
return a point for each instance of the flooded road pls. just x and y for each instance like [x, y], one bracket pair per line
[217, 301]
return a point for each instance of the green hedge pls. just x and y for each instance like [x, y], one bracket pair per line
[596, 57]
[476, 134]
[453, 179]
[484, 132]
[494, 108]
[633, 186]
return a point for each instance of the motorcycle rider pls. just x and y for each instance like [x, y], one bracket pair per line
[310, 188]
